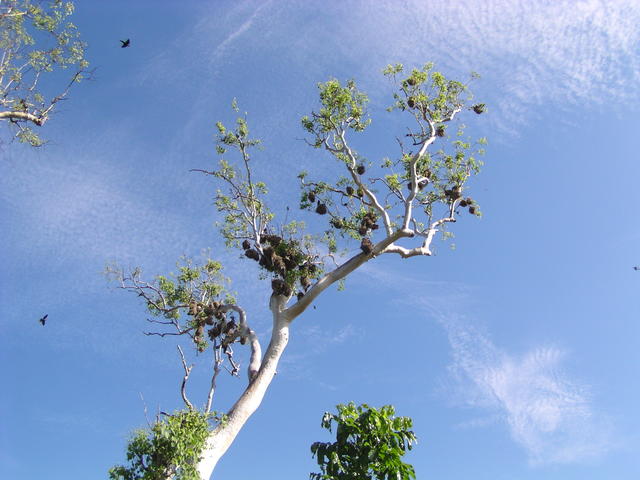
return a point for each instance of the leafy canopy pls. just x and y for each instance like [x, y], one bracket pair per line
[36, 39]
[171, 448]
[369, 445]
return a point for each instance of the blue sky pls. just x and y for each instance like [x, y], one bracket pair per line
[516, 353]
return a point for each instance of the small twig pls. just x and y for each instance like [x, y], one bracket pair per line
[146, 416]
[151, 320]
[182, 332]
[236, 368]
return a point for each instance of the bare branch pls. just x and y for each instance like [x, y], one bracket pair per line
[165, 334]
[23, 116]
[408, 203]
[425, 248]
[356, 178]
[245, 331]
[187, 372]
[341, 272]
[217, 361]
[235, 367]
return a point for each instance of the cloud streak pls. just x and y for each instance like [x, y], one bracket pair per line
[535, 54]
[547, 413]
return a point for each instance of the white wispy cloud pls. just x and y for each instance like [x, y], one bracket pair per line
[244, 26]
[559, 53]
[547, 413]
[88, 210]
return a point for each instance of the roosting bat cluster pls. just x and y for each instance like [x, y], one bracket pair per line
[285, 259]
[211, 314]
[455, 193]
[471, 203]
[368, 223]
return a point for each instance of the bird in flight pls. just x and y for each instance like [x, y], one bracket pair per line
[125, 43]
[43, 319]
[636, 268]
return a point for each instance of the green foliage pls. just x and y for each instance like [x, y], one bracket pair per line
[428, 93]
[242, 203]
[342, 107]
[286, 256]
[171, 448]
[434, 181]
[194, 283]
[369, 445]
[36, 38]
[195, 291]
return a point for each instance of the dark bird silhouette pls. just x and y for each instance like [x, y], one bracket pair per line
[125, 43]
[43, 319]
[636, 268]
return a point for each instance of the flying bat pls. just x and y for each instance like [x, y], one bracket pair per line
[125, 43]
[43, 319]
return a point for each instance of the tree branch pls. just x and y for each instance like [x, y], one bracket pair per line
[245, 331]
[187, 372]
[341, 272]
[23, 116]
[217, 361]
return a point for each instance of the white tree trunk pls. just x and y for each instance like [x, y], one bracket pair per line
[221, 438]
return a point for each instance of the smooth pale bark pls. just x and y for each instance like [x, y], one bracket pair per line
[10, 115]
[222, 437]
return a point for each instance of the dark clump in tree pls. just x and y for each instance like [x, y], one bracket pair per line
[302, 264]
[366, 246]
[273, 240]
[321, 209]
[454, 193]
[252, 254]
[479, 108]
[280, 287]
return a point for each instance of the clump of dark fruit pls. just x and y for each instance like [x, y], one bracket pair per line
[366, 246]
[479, 108]
[321, 209]
[252, 254]
[336, 223]
[280, 287]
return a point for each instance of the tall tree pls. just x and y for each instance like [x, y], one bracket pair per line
[36, 40]
[395, 207]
